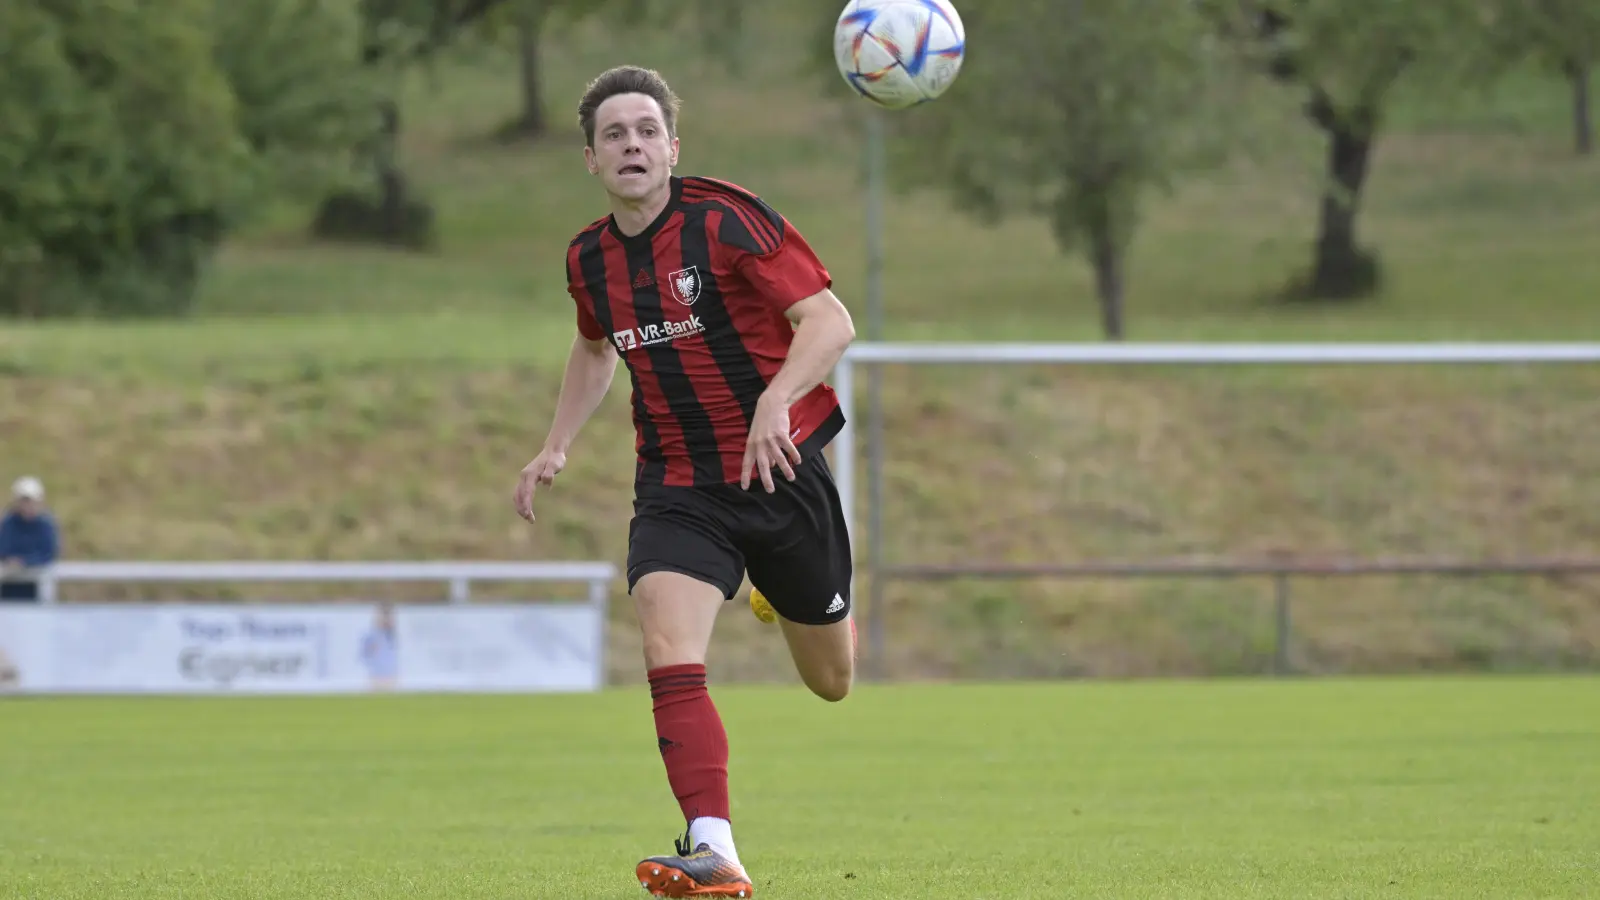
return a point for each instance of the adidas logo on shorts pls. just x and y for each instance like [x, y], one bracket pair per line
[836, 605]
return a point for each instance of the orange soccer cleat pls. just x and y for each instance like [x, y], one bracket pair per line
[703, 873]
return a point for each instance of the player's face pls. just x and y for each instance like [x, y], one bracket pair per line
[632, 152]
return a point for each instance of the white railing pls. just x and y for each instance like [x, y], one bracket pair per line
[458, 577]
[1143, 354]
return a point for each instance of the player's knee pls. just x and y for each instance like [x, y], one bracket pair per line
[832, 690]
[668, 643]
[666, 650]
[832, 683]
[676, 615]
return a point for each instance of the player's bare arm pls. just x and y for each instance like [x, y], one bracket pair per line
[823, 330]
[590, 368]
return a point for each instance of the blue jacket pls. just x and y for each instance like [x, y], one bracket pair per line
[33, 540]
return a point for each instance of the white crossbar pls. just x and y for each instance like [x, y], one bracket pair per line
[1202, 353]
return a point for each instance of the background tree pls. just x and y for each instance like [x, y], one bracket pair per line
[305, 99]
[524, 25]
[397, 35]
[127, 150]
[1072, 110]
[1347, 56]
[1561, 35]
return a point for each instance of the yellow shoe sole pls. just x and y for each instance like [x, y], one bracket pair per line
[762, 609]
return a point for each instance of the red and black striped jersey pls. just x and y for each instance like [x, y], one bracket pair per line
[695, 305]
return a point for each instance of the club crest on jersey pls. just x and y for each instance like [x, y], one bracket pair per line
[685, 285]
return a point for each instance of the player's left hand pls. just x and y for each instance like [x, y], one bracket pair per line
[542, 471]
[769, 445]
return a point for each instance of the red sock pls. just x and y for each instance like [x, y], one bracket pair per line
[693, 743]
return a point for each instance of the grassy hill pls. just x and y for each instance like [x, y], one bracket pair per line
[359, 404]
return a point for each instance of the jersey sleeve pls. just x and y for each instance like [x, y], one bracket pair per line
[770, 253]
[588, 325]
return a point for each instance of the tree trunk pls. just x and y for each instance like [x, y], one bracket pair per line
[531, 122]
[529, 31]
[1342, 270]
[391, 180]
[1582, 115]
[1108, 283]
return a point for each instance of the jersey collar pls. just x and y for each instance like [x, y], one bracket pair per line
[676, 187]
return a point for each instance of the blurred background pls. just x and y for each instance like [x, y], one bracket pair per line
[283, 280]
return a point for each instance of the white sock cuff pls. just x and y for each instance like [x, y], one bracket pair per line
[716, 832]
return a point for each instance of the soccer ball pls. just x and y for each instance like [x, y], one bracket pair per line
[898, 53]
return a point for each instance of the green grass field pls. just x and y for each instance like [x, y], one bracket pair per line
[343, 403]
[1445, 788]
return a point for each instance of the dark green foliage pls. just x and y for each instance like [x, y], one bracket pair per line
[403, 31]
[118, 156]
[304, 99]
[128, 148]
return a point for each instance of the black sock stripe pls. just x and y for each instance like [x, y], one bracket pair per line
[678, 676]
[678, 680]
[658, 689]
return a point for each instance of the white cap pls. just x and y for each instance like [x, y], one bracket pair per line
[27, 487]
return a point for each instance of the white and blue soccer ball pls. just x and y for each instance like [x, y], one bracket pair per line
[898, 53]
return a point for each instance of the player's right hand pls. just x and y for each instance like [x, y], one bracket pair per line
[543, 470]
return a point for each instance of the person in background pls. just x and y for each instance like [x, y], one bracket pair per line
[29, 542]
[379, 650]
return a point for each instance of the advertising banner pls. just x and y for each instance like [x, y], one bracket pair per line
[272, 649]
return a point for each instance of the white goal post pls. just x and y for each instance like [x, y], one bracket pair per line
[1145, 354]
[1136, 354]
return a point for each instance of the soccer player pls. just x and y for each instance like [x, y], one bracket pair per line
[726, 322]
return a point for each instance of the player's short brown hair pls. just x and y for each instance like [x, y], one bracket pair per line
[627, 80]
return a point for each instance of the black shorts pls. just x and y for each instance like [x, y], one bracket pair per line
[793, 543]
